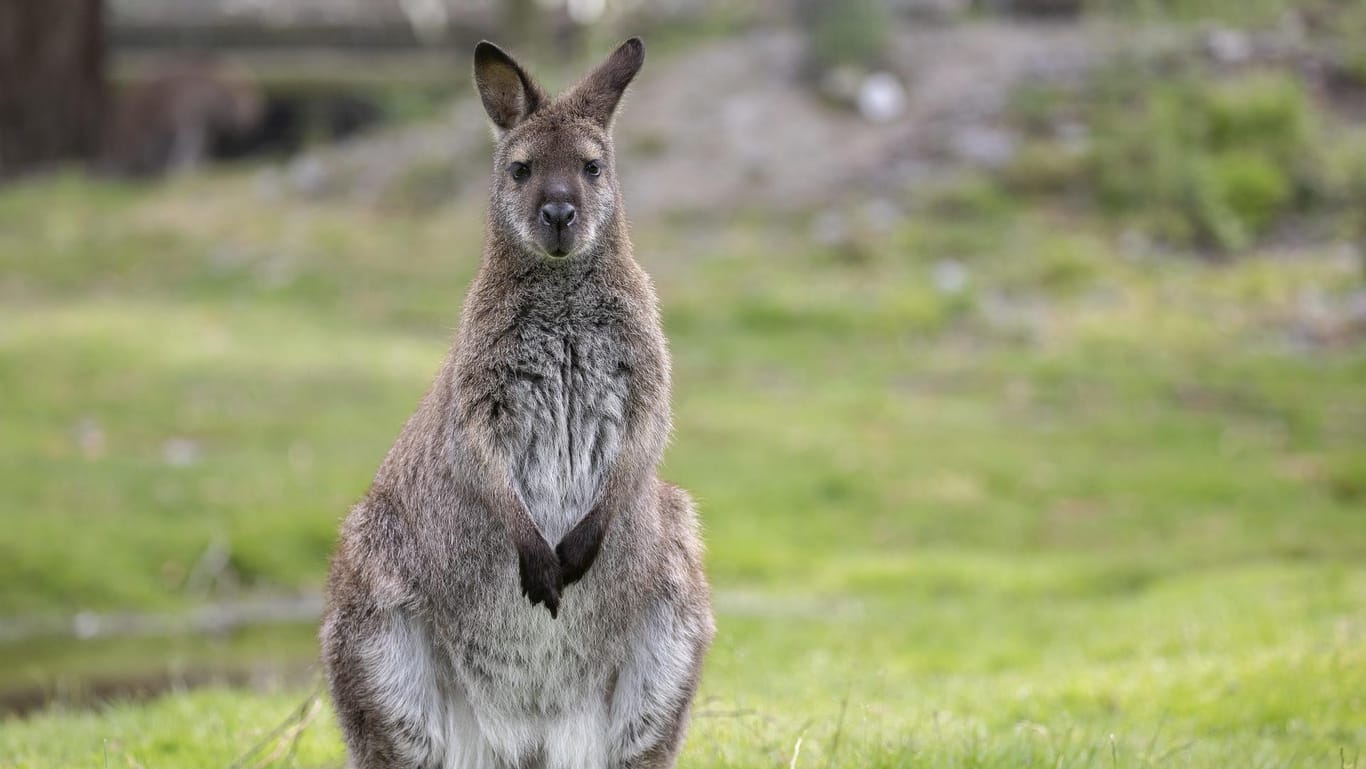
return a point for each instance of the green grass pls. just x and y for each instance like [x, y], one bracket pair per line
[1092, 511]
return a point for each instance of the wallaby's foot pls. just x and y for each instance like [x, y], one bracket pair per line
[540, 572]
[579, 548]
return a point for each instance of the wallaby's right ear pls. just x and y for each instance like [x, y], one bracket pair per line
[508, 92]
[598, 94]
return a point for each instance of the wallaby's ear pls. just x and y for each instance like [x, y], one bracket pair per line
[508, 92]
[598, 94]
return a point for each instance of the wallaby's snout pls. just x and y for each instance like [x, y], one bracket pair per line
[557, 215]
[554, 189]
[557, 219]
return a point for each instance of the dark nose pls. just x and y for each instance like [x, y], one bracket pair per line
[557, 214]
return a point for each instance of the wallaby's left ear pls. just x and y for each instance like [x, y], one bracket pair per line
[598, 94]
[509, 94]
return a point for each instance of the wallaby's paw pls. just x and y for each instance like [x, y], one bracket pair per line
[579, 549]
[540, 573]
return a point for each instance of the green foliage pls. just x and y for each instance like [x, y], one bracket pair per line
[1211, 158]
[410, 105]
[1238, 196]
[1266, 114]
[423, 186]
[1341, 181]
[971, 201]
[1207, 162]
[1045, 168]
[854, 32]
[1200, 157]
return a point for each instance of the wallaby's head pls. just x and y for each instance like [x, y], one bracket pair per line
[554, 179]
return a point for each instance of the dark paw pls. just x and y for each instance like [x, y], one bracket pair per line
[539, 570]
[579, 549]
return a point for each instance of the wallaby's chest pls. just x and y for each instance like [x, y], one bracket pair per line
[566, 399]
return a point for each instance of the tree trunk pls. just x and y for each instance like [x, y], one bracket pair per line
[52, 83]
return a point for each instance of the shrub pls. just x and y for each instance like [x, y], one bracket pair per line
[1268, 114]
[851, 33]
[1238, 196]
[1211, 163]
[1341, 180]
[1045, 168]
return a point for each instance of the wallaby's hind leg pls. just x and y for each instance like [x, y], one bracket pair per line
[394, 710]
[652, 699]
[654, 691]
[384, 688]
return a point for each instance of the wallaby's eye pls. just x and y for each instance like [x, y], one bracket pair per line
[592, 168]
[520, 171]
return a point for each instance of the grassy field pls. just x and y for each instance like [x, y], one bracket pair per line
[1094, 507]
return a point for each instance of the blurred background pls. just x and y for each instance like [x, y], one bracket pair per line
[1020, 361]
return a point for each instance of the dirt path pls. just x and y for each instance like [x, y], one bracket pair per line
[765, 141]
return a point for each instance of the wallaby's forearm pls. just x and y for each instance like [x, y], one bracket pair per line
[646, 432]
[538, 567]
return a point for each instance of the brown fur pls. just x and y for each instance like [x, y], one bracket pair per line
[529, 470]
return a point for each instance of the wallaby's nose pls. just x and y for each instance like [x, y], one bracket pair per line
[557, 214]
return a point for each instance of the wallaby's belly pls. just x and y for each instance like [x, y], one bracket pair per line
[518, 686]
[568, 404]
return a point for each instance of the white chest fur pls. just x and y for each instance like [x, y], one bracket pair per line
[568, 404]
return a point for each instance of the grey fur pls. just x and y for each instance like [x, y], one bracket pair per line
[545, 425]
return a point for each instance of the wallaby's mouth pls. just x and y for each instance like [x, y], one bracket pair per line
[555, 251]
[557, 243]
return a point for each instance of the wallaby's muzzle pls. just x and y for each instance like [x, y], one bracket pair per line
[556, 222]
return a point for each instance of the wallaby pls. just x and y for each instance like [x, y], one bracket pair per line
[527, 477]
